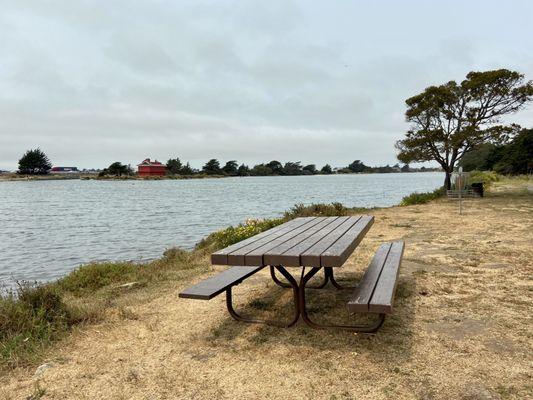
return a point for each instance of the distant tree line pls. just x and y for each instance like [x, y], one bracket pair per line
[276, 168]
[35, 162]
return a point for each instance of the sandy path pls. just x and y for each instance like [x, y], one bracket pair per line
[461, 329]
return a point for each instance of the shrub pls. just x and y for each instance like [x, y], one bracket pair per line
[422, 198]
[316, 210]
[234, 234]
[486, 177]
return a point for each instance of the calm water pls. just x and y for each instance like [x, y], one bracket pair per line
[50, 227]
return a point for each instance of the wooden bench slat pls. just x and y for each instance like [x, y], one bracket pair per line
[363, 293]
[383, 296]
[339, 251]
[211, 287]
[255, 257]
[220, 257]
[288, 253]
[311, 257]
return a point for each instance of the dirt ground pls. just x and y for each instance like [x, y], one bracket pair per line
[461, 329]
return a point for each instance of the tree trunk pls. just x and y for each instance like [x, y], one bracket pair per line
[448, 180]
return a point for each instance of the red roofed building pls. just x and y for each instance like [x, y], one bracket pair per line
[151, 168]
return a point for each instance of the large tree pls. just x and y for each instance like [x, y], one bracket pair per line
[243, 170]
[292, 168]
[174, 166]
[34, 162]
[310, 169]
[119, 169]
[326, 169]
[276, 167]
[212, 167]
[231, 167]
[357, 166]
[449, 120]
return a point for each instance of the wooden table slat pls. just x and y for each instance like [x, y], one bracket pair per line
[308, 241]
[237, 257]
[272, 256]
[290, 255]
[220, 257]
[311, 257]
[255, 257]
[339, 251]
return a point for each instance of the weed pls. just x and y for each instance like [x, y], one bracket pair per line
[38, 393]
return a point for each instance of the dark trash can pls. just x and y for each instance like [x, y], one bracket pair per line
[478, 188]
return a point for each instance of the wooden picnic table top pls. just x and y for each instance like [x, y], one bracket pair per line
[301, 242]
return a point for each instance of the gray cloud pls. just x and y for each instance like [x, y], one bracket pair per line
[92, 83]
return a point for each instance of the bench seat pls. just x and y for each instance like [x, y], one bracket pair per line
[375, 292]
[217, 284]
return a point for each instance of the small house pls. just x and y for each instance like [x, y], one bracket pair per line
[151, 168]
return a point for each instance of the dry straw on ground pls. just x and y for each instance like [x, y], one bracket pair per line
[461, 327]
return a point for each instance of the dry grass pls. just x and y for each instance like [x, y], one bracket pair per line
[461, 327]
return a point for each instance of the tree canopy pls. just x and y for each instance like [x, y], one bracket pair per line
[326, 169]
[34, 162]
[310, 169]
[515, 157]
[119, 169]
[174, 166]
[212, 167]
[231, 167]
[357, 166]
[449, 120]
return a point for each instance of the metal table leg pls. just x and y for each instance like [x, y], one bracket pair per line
[293, 284]
[328, 272]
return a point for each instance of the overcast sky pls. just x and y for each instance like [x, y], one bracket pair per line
[92, 82]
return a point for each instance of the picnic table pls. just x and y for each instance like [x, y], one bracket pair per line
[309, 244]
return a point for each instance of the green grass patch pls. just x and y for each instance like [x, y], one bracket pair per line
[92, 277]
[34, 316]
[31, 317]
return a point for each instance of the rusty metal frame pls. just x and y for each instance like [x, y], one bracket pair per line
[300, 306]
[363, 328]
[293, 284]
[287, 285]
[328, 272]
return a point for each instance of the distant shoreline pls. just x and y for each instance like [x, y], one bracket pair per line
[95, 177]
[13, 177]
